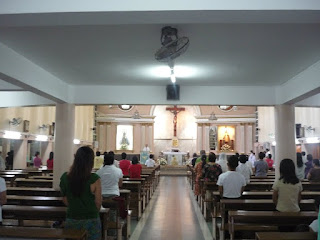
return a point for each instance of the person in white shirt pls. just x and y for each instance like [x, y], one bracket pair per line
[150, 162]
[111, 177]
[252, 158]
[244, 168]
[231, 183]
[146, 148]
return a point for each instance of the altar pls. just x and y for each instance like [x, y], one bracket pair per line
[174, 158]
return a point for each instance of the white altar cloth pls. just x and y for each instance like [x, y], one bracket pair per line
[175, 158]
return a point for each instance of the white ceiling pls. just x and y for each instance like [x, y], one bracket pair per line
[220, 54]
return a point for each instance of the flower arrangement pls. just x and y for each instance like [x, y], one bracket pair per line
[162, 161]
[225, 147]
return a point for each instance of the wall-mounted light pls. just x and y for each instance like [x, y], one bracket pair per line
[76, 141]
[312, 140]
[12, 135]
[42, 138]
[274, 143]
[44, 126]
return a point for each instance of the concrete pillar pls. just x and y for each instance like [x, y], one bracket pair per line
[143, 135]
[199, 137]
[285, 134]
[206, 138]
[242, 139]
[20, 153]
[150, 138]
[64, 135]
[109, 138]
[249, 139]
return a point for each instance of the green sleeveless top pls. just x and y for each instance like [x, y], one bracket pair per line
[82, 207]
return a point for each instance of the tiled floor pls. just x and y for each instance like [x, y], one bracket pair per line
[172, 214]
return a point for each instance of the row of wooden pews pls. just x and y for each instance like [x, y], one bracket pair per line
[31, 197]
[255, 212]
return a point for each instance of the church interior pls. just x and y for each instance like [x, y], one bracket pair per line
[186, 85]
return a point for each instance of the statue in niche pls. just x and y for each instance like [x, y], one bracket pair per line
[124, 142]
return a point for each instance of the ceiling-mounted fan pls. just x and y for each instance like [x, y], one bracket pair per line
[172, 47]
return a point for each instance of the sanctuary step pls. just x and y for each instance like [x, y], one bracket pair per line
[169, 170]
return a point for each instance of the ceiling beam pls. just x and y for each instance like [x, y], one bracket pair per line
[160, 17]
[19, 71]
[189, 95]
[40, 6]
[300, 87]
[19, 99]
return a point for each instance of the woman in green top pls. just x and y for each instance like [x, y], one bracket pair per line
[81, 191]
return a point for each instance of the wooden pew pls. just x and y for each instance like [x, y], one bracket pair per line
[286, 236]
[135, 196]
[16, 174]
[262, 186]
[34, 200]
[50, 233]
[251, 220]
[227, 205]
[143, 192]
[9, 178]
[29, 182]
[30, 191]
[48, 213]
[42, 177]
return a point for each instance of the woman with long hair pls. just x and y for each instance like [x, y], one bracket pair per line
[81, 191]
[287, 190]
[300, 167]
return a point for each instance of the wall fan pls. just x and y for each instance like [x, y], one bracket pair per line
[15, 121]
[172, 45]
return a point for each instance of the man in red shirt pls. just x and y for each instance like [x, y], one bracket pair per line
[124, 164]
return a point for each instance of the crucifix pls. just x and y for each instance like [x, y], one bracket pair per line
[175, 110]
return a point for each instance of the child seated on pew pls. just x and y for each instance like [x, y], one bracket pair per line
[231, 183]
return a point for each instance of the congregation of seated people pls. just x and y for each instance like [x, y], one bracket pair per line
[241, 169]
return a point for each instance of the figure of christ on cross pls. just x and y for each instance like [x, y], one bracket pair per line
[175, 110]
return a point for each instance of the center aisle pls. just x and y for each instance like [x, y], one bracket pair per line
[172, 214]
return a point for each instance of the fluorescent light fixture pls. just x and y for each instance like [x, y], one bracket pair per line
[312, 140]
[274, 143]
[76, 141]
[179, 71]
[172, 76]
[42, 138]
[12, 135]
